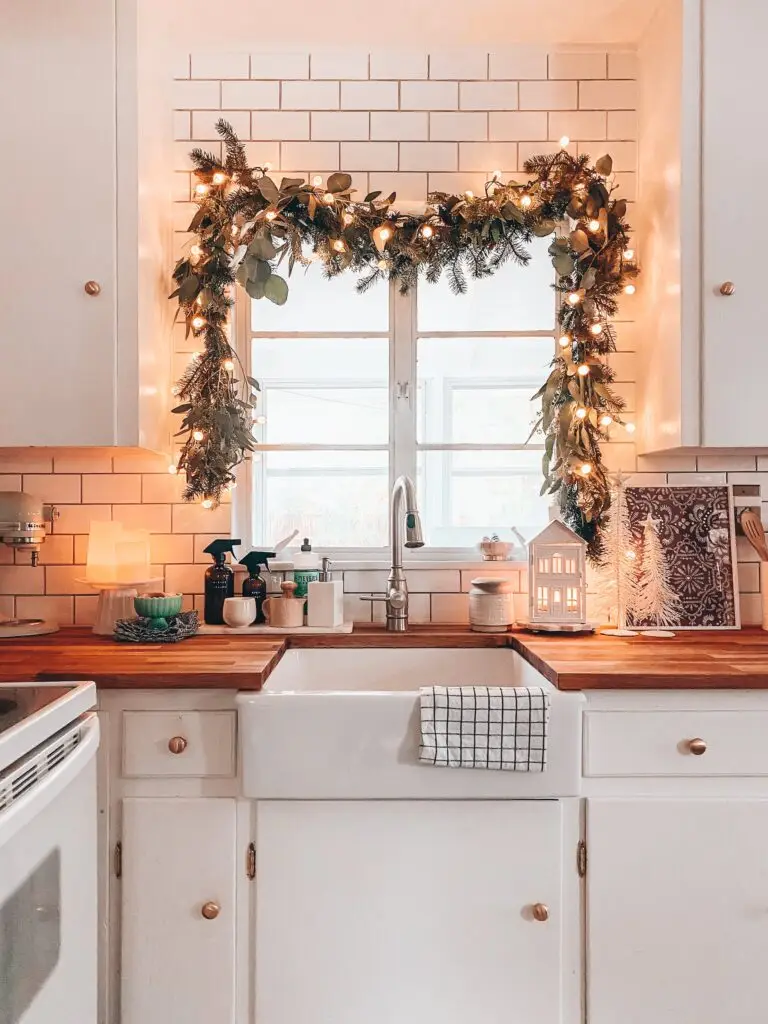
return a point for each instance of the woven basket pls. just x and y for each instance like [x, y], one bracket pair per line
[139, 630]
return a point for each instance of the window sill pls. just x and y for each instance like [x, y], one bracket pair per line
[349, 564]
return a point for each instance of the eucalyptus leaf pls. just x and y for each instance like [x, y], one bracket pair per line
[182, 408]
[579, 240]
[291, 184]
[276, 289]
[262, 248]
[268, 189]
[255, 289]
[511, 212]
[575, 208]
[604, 165]
[589, 279]
[189, 288]
[563, 264]
[372, 195]
[254, 383]
[544, 227]
[263, 270]
[339, 182]
[619, 208]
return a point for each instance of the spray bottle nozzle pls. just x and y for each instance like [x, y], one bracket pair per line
[254, 559]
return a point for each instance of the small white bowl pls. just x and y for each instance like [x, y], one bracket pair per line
[239, 611]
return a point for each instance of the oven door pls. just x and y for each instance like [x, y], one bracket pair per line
[48, 893]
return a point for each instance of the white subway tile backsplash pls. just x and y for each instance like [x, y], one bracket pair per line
[487, 156]
[514, 126]
[369, 156]
[727, 463]
[310, 96]
[369, 95]
[123, 488]
[751, 609]
[184, 579]
[10, 482]
[171, 548]
[456, 126]
[220, 65]
[450, 608]
[458, 64]
[488, 95]
[31, 460]
[310, 154]
[577, 124]
[446, 181]
[53, 488]
[250, 95]
[695, 479]
[520, 63]
[610, 95]
[622, 65]
[427, 581]
[22, 579]
[85, 610]
[429, 95]
[155, 518]
[182, 124]
[429, 156]
[287, 125]
[58, 549]
[59, 609]
[624, 156]
[399, 64]
[409, 186]
[197, 95]
[279, 65]
[180, 65]
[78, 518]
[340, 125]
[622, 124]
[548, 95]
[338, 64]
[400, 126]
[495, 569]
[204, 123]
[196, 519]
[365, 581]
[259, 152]
[749, 578]
[577, 65]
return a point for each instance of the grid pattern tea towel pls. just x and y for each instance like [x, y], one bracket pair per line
[485, 727]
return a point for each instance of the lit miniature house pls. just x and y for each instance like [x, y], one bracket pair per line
[557, 579]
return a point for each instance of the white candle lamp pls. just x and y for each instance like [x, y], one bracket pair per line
[117, 564]
[557, 580]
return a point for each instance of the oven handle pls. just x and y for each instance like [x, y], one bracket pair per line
[24, 810]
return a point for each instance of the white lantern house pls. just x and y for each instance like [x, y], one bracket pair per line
[557, 579]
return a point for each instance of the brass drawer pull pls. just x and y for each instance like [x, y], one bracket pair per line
[92, 288]
[540, 912]
[177, 744]
[697, 746]
[210, 910]
[727, 288]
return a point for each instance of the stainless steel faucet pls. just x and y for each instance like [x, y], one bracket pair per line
[406, 529]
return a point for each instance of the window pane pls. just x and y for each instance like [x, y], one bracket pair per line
[322, 390]
[338, 499]
[317, 303]
[478, 390]
[514, 299]
[462, 500]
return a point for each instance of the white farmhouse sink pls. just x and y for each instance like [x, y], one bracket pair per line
[344, 724]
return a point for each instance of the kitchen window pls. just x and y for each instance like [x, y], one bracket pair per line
[358, 388]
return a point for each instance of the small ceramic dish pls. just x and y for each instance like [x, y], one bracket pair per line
[157, 608]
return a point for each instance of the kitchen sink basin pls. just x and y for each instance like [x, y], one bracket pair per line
[344, 724]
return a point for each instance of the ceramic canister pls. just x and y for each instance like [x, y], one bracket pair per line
[491, 605]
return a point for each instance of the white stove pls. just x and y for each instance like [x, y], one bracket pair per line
[48, 910]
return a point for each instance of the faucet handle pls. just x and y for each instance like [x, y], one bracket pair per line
[372, 597]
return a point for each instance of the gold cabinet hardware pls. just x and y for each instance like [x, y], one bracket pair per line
[92, 288]
[581, 858]
[727, 288]
[177, 744]
[210, 910]
[250, 861]
[540, 912]
[117, 860]
[697, 746]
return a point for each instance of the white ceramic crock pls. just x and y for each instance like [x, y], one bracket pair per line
[491, 605]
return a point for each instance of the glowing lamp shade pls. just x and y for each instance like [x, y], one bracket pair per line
[117, 555]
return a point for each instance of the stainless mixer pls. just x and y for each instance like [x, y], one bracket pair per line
[22, 521]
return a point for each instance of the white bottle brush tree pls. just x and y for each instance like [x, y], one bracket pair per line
[617, 582]
[657, 603]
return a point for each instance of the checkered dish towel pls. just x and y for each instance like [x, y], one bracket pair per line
[485, 727]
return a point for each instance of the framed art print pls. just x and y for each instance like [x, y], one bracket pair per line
[698, 537]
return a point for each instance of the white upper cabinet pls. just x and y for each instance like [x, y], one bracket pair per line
[84, 359]
[701, 153]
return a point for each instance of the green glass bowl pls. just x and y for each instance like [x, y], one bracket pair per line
[158, 609]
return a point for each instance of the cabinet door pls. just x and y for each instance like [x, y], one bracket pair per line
[734, 162]
[177, 965]
[57, 134]
[677, 911]
[408, 910]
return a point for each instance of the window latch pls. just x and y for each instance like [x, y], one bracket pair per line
[403, 390]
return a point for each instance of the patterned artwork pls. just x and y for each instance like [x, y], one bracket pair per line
[696, 529]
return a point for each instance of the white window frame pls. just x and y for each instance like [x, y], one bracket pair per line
[403, 448]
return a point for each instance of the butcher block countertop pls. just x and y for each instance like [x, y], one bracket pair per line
[698, 660]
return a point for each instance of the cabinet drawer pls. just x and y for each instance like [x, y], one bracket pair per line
[659, 743]
[170, 743]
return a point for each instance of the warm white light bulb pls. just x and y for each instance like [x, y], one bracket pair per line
[270, 214]
[267, 166]
[198, 322]
[207, 502]
[385, 233]
[427, 231]
[594, 225]
[348, 219]
[198, 435]
[229, 365]
[339, 246]
[469, 194]
[329, 198]
[574, 298]
[496, 175]
[581, 413]
[196, 250]
[173, 469]
[630, 428]
[629, 254]
[586, 469]
[194, 357]
[629, 289]
[564, 340]
[596, 329]
[259, 419]
[582, 370]
[630, 555]
[564, 141]
[202, 189]
[175, 390]
[606, 420]
[526, 201]
[382, 265]
[219, 178]
[317, 180]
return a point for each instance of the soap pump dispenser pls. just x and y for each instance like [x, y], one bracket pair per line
[254, 585]
[219, 580]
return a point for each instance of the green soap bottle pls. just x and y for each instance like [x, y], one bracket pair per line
[254, 585]
[219, 581]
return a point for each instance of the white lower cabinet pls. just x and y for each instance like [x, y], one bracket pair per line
[677, 909]
[178, 911]
[379, 911]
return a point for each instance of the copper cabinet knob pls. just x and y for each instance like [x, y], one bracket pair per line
[92, 287]
[540, 912]
[697, 746]
[177, 744]
[210, 910]
[727, 288]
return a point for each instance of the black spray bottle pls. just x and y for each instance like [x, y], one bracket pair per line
[219, 581]
[254, 585]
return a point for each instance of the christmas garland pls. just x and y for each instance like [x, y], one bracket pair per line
[247, 227]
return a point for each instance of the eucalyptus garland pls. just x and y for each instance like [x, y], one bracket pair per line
[248, 227]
